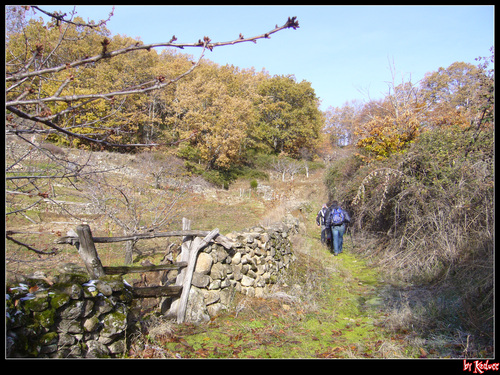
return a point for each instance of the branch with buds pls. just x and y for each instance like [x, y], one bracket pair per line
[60, 18]
[21, 105]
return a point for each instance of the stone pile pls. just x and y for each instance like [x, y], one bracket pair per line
[73, 318]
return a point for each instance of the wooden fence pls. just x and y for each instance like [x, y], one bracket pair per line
[193, 242]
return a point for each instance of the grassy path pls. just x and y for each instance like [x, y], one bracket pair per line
[325, 307]
[339, 321]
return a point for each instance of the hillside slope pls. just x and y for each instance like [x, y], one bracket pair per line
[322, 307]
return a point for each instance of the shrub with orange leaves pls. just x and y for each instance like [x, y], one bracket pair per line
[383, 136]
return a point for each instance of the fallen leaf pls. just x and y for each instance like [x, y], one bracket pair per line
[423, 353]
[33, 289]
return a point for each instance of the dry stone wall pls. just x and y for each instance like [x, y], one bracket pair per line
[73, 318]
[250, 267]
[77, 317]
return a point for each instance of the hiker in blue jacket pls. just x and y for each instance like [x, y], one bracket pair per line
[336, 220]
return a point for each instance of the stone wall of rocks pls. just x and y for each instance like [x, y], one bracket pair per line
[73, 318]
[250, 267]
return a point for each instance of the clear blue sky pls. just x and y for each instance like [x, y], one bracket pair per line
[343, 51]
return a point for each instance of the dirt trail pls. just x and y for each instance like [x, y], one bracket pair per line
[324, 307]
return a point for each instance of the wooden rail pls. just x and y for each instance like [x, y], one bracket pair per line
[122, 270]
[222, 240]
[192, 244]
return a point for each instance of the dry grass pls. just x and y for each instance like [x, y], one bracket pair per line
[303, 288]
[233, 209]
[425, 219]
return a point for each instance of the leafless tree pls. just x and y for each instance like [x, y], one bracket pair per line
[159, 166]
[134, 208]
[286, 166]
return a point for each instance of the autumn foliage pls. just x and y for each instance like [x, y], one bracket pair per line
[449, 97]
[112, 91]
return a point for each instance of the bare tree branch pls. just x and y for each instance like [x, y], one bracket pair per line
[14, 105]
[60, 18]
[203, 44]
[138, 89]
[43, 101]
[29, 247]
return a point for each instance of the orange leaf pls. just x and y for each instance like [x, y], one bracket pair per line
[423, 353]
[33, 289]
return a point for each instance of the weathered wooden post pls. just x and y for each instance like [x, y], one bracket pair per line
[186, 244]
[184, 257]
[196, 245]
[88, 252]
[85, 243]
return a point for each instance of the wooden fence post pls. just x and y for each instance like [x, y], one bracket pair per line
[192, 244]
[186, 244]
[184, 257]
[88, 252]
[196, 245]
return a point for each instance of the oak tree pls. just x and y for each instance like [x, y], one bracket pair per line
[71, 81]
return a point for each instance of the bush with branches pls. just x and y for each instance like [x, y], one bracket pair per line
[431, 207]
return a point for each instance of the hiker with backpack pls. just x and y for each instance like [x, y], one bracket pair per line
[321, 221]
[335, 221]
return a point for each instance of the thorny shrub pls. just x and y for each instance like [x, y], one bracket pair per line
[432, 211]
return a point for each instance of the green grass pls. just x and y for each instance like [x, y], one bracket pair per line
[338, 324]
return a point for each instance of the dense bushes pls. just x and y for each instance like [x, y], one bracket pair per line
[431, 209]
[426, 204]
